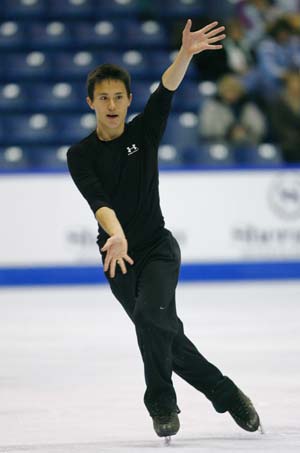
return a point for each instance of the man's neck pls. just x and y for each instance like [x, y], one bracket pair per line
[106, 136]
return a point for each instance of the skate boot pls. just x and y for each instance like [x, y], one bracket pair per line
[226, 396]
[243, 412]
[166, 425]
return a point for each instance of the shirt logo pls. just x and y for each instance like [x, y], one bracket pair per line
[132, 149]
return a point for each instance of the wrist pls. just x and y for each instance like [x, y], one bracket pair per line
[184, 54]
[119, 235]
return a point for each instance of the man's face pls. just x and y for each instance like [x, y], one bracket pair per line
[110, 103]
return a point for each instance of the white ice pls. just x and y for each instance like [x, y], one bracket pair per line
[71, 377]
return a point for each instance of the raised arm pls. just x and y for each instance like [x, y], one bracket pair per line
[192, 44]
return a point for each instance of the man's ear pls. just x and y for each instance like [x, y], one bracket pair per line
[129, 99]
[90, 103]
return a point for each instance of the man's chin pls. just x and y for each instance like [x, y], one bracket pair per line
[114, 123]
[114, 129]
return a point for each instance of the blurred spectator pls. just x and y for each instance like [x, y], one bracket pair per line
[230, 117]
[285, 118]
[236, 48]
[255, 15]
[290, 6]
[277, 53]
[235, 57]
[219, 10]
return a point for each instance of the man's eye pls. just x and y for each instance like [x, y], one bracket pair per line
[103, 98]
[120, 96]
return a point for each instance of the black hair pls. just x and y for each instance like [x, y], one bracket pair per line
[281, 24]
[107, 72]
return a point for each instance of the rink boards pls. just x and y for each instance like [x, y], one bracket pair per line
[230, 225]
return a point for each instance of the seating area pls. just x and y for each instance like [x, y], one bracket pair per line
[47, 48]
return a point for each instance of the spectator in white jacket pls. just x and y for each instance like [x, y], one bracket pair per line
[230, 117]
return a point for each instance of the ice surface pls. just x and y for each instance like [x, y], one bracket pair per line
[71, 377]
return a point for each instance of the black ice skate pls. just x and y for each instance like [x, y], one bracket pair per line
[243, 412]
[166, 425]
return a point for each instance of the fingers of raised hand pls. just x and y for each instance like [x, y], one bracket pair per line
[214, 32]
[206, 37]
[209, 27]
[216, 39]
[188, 25]
[214, 47]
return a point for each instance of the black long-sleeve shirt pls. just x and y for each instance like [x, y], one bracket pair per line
[122, 174]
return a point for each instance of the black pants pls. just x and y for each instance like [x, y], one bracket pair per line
[147, 293]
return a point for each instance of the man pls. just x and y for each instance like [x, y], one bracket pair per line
[115, 168]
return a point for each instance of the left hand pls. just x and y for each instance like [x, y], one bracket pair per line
[203, 39]
[116, 253]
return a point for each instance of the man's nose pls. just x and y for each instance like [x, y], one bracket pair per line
[111, 104]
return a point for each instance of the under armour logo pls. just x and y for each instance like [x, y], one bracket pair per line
[132, 149]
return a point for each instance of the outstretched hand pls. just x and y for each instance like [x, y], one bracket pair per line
[116, 253]
[203, 39]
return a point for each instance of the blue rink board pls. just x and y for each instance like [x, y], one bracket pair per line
[93, 275]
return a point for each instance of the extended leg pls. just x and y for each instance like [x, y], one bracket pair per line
[189, 364]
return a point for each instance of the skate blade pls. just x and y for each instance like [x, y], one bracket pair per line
[261, 428]
[167, 441]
